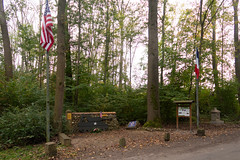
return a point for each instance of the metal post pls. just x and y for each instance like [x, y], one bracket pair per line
[197, 104]
[47, 101]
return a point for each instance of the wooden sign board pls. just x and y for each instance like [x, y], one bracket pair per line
[184, 109]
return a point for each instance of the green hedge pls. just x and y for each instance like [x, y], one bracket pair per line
[22, 126]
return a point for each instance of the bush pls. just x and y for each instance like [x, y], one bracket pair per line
[20, 92]
[226, 101]
[153, 124]
[167, 95]
[22, 126]
[129, 104]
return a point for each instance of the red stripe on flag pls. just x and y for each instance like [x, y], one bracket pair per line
[197, 71]
[47, 39]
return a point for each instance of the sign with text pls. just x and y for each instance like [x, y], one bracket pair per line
[69, 116]
[184, 111]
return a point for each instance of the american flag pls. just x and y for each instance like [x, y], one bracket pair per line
[46, 32]
[197, 64]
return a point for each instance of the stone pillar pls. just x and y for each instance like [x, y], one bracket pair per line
[69, 121]
[50, 149]
[215, 117]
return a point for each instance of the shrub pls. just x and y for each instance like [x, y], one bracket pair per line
[226, 101]
[153, 124]
[22, 126]
[20, 92]
[167, 95]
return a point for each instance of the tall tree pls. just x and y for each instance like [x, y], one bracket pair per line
[214, 51]
[61, 48]
[107, 42]
[6, 44]
[153, 84]
[163, 40]
[40, 57]
[121, 23]
[68, 71]
[236, 45]
[79, 44]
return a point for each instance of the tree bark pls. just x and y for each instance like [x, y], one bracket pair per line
[214, 56]
[79, 51]
[121, 23]
[237, 46]
[153, 83]
[106, 60]
[59, 95]
[68, 72]
[6, 44]
[163, 40]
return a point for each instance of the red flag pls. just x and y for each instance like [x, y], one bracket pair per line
[46, 32]
[197, 64]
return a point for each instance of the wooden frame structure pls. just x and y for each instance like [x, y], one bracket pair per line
[184, 109]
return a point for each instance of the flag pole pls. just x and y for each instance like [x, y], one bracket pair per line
[197, 104]
[47, 101]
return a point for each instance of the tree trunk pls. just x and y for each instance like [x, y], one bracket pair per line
[40, 56]
[237, 46]
[68, 72]
[130, 71]
[214, 56]
[69, 80]
[222, 46]
[163, 40]
[202, 27]
[59, 95]
[106, 72]
[6, 44]
[79, 51]
[153, 84]
[121, 52]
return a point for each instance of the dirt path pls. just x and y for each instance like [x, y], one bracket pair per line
[105, 145]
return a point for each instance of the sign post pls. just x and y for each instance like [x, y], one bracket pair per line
[184, 109]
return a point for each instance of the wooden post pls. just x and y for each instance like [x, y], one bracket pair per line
[190, 107]
[69, 120]
[177, 114]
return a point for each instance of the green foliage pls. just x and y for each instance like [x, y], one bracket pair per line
[129, 104]
[226, 101]
[204, 96]
[22, 126]
[168, 94]
[23, 153]
[20, 92]
[153, 124]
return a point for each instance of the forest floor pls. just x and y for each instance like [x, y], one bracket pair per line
[105, 145]
[139, 142]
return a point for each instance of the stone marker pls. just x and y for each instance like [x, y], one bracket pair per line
[167, 136]
[122, 142]
[215, 117]
[50, 149]
[64, 139]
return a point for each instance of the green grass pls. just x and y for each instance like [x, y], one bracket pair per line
[23, 153]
